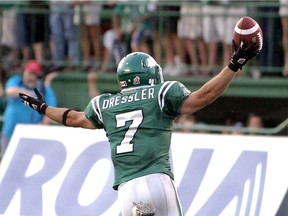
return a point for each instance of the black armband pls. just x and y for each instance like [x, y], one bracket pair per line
[64, 116]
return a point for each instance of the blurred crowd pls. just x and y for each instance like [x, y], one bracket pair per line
[186, 38]
[252, 124]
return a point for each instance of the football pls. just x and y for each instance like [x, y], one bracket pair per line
[247, 29]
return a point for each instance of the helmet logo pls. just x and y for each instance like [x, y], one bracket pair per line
[151, 81]
[123, 83]
[136, 80]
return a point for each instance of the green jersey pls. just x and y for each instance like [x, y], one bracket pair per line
[138, 123]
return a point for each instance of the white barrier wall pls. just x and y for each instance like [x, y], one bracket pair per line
[54, 170]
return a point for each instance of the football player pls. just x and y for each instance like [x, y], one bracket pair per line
[138, 121]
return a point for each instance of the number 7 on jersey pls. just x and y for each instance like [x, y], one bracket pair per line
[136, 117]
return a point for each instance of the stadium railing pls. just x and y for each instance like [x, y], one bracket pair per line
[281, 129]
[269, 63]
[271, 85]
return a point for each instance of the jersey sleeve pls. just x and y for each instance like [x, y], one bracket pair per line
[174, 97]
[93, 113]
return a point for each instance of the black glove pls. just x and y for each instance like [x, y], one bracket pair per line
[38, 103]
[242, 55]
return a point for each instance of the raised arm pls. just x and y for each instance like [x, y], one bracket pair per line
[63, 116]
[211, 90]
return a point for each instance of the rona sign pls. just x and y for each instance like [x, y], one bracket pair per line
[55, 170]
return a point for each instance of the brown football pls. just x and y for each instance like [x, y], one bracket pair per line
[247, 29]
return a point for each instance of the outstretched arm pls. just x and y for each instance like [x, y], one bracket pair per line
[211, 90]
[63, 116]
[72, 119]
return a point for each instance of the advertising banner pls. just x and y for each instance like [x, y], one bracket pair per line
[56, 170]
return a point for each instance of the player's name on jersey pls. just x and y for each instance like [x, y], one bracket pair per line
[144, 94]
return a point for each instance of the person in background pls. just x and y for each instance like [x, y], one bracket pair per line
[144, 32]
[136, 27]
[283, 12]
[138, 123]
[133, 28]
[88, 16]
[116, 39]
[254, 122]
[174, 52]
[219, 20]
[122, 22]
[237, 126]
[63, 32]
[268, 65]
[187, 122]
[9, 47]
[32, 29]
[15, 112]
[113, 51]
[191, 33]
[3, 76]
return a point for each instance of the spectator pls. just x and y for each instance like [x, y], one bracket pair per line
[1, 85]
[122, 22]
[154, 19]
[87, 16]
[113, 51]
[134, 27]
[3, 75]
[64, 35]
[283, 12]
[9, 49]
[187, 122]
[254, 122]
[14, 112]
[174, 53]
[190, 32]
[117, 40]
[237, 126]
[31, 29]
[144, 28]
[271, 28]
[218, 22]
